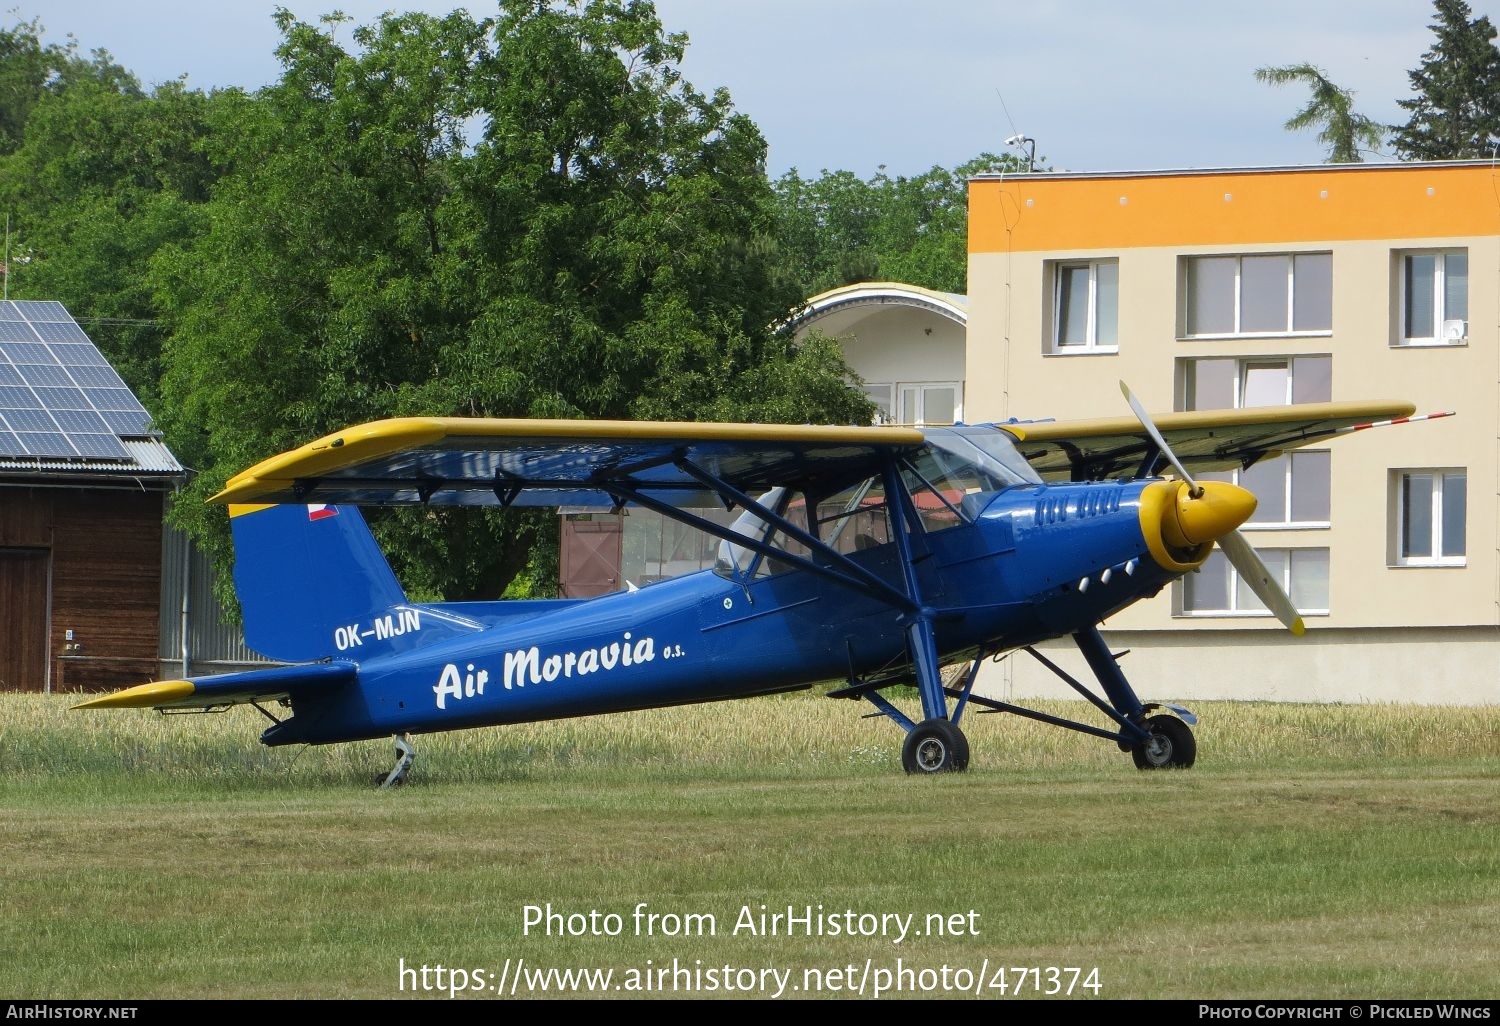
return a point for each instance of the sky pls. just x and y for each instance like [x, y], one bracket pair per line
[908, 85]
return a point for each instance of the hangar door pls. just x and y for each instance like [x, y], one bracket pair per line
[23, 609]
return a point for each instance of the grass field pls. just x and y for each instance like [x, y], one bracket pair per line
[1313, 852]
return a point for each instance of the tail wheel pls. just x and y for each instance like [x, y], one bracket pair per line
[935, 746]
[1170, 746]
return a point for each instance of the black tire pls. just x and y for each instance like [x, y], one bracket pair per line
[935, 746]
[1171, 745]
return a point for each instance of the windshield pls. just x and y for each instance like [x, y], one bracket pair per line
[992, 451]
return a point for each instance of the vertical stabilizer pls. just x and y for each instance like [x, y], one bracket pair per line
[313, 583]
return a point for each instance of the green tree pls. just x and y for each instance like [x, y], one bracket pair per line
[30, 70]
[839, 229]
[103, 176]
[1455, 112]
[1347, 134]
[26, 68]
[531, 215]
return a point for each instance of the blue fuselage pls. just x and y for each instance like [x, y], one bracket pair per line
[1036, 561]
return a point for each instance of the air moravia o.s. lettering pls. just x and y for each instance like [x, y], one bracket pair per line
[526, 666]
[892, 562]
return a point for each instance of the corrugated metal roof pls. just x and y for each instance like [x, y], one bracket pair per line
[151, 455]
[147, 456]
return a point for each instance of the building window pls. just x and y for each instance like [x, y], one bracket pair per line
[929, 402]
[1231, 383]
[1429, 517]
[1291, 490]
[880, 395]
[1216, 589]
[1270, 294]
[1434, 298]
[1085, 307]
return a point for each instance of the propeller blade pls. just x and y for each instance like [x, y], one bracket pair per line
[1161, 443]
[1254, 573]
[1239, 551]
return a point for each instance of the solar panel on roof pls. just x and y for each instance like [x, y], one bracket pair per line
[126, 423]
[39, 310]
[46, 443]
[43, 374]
[61, 333]
[18, 398]
[70, 355]
[58, 395]
[99, 446]
[96, 377]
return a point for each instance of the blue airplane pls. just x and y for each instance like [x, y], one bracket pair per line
[869, 556]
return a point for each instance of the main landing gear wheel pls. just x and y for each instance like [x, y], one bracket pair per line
[935, 746]
[1171, 745]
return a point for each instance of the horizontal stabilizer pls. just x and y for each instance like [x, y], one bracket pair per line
[227, 688]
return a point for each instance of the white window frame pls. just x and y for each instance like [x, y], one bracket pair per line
[1436, 558]
[1440, 318]
[1288, 331]
[1091, 343]
[1242, 365]
[917, 416]
[1235, 587]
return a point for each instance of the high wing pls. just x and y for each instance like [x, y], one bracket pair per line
[477, 461]
[1206, 440]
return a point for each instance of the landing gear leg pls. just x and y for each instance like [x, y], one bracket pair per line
[397, 776]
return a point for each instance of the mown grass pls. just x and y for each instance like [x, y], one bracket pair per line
[1314, 851]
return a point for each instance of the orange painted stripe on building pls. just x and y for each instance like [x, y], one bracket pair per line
[1349, 202]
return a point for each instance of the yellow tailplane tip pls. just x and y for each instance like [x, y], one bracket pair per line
[142, 696]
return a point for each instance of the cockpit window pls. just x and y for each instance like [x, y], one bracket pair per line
[856, 518]
[851, 520]
[738, 559]
[951, 479]
[958, 472]
[943, 489]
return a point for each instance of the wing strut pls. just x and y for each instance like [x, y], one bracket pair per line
[920, 640]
